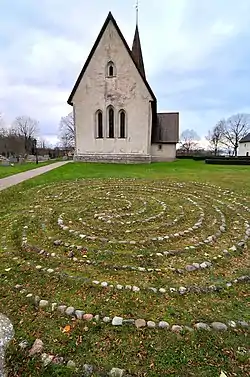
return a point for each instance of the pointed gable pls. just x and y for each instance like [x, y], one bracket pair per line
[137, 52]
[110, 18]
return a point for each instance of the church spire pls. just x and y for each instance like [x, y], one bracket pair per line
[136, 48]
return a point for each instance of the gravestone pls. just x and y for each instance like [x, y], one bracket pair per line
[5, 163]
[6, 334]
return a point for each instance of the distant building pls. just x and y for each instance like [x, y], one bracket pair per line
[244, 146]
[115, 109]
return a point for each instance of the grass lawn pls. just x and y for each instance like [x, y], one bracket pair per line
[6, 171]
[166, 243]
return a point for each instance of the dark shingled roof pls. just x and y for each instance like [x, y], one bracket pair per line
[108, 19]
[137, 52]
[167, 128]
[245, 139]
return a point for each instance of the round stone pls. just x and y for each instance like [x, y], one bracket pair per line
[43, 303]
[190, 268]
[163, 325]
[151, 324]
[106, 319]
[140, 323]
[87, 317]
[162, 290]
[71, 364]
[70, 310]
[116, 372]
[182, 290]
[176, 328]
[61, 308]
[37, 347]
[88, 370]
[202, 326]
[104, 284]
[79, 314]
[219, 326]
[243, 323]
[117, 321]
[135, 289]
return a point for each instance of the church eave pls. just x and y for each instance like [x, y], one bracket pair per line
[108, 19]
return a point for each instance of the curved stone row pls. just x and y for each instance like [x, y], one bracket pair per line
[120, 321]
[126, 287]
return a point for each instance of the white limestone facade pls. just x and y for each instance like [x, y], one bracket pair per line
[244, 149]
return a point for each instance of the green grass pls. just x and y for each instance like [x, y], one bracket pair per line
[81, 190]
[6, 171]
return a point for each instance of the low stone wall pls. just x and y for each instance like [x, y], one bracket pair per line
[114, 158]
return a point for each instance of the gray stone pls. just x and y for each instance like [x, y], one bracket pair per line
[106, 319]
[117, 321]
[176, 328]
[71, 364]
[219, 326]
[116, 372]
[37, 347]
[79, 314]
[57, 242]
[182, 290]
[163, 325]
[196, 265]
[61, 308]
[129, 321]
[23, 344]
[202, 326]
[243, 323]
[87, 370]
[43, 303]
[6, 334]
[70, 311]
[190, 268]
[140, 323]
[46, 359]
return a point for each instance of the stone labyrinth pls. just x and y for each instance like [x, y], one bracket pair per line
[118, 250]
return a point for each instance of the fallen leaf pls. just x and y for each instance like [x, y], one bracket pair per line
[66, 329]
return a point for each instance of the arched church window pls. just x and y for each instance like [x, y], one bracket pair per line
[111, 117]
[122, 121]
[111, 72]
[99, 120]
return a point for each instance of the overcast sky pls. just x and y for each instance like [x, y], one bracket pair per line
[196, 55]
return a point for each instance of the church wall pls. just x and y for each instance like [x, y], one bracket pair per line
[163, 152]
[244, 149]
[124, 91]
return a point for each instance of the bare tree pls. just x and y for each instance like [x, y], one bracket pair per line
[26, 127]
[67, 131]
[189, 140]
[234, 129]
[215, 136]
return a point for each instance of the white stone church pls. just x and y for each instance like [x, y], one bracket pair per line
[115, 110]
